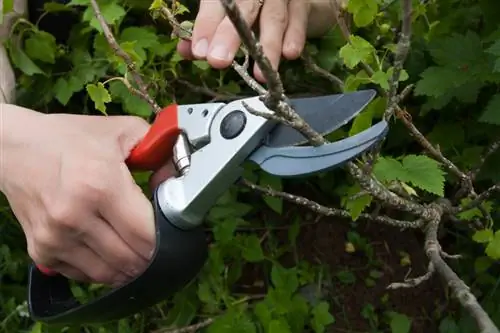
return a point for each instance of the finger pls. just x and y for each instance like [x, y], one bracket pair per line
[165, 172]
[226, 40]
[295, 35]
[184, 49]
[210, 15]
[130, 213]
[83, 259]
[72, 273]
[107, 244]
[273, 22]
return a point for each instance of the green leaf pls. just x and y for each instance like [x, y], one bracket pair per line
[425, 173]
[400, 323]
[63, 91]
[275, 183]
[79, 3]
[22, 61]
[359, 50]
[362, 122]
[474, 212]
[483, 236]
[364, 11]
[388, 168]
[99, 95]
[382, 79]
[482, 264]
[7, 7]
[357, 205]
[321, 317]
[493, 248]
[141, 37]
[284, 279]
[437, 81]
[491, 114]
[203, 65]
[278, 326]
[252, 251]
[111, 12]
[224, 230]
[298, 313]
[232, 321]
[131, 103]
[231, 210]
[42, 46]
[353, 82]
[420, 170]
[448, 325]
[263, 313]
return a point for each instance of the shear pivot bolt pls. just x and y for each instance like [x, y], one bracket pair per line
[233, 124]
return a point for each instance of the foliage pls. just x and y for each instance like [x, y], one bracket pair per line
[454, 65]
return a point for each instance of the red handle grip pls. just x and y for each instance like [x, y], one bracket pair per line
[151, 152]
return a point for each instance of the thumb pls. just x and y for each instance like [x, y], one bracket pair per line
[166, 171]
[128, 131]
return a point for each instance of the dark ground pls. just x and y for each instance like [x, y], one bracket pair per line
[323, 241]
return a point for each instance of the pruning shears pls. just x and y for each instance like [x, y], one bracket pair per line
[208, 144]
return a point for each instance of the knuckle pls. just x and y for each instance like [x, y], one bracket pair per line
[33, 252]
[92, 184]
[279, 17]
[44, 241]
[60, 213]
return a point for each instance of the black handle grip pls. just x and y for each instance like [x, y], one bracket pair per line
[179, 256]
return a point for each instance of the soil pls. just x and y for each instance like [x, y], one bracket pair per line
[323, 241]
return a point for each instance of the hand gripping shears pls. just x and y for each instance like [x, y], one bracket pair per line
[208, 143]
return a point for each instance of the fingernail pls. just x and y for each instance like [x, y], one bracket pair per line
[220, 52]
[201, 48]
[293, 49]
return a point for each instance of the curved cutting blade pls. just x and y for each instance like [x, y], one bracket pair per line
[302, 161]
[324, 114]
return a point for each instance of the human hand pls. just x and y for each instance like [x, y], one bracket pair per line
[67, 183]
[283, 27]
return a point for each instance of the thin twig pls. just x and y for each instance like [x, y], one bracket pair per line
[327, 211]
[495, 145]
[122, 54]
[402, 49]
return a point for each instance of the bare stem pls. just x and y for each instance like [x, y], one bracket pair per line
[122, 54]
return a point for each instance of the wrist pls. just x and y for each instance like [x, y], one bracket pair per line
[17, 124]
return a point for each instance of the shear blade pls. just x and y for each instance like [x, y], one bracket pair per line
[324, 114]
[302, 161]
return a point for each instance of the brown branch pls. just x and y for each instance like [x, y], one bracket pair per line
[276, 91]
[309, 62]
[327, 211]
[122, 54]
[495, 145]
[402, 50]
[459, 289]
[189, 329]
[480, 198]
[209, 92]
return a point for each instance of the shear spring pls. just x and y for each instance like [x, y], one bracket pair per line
[182, 154]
